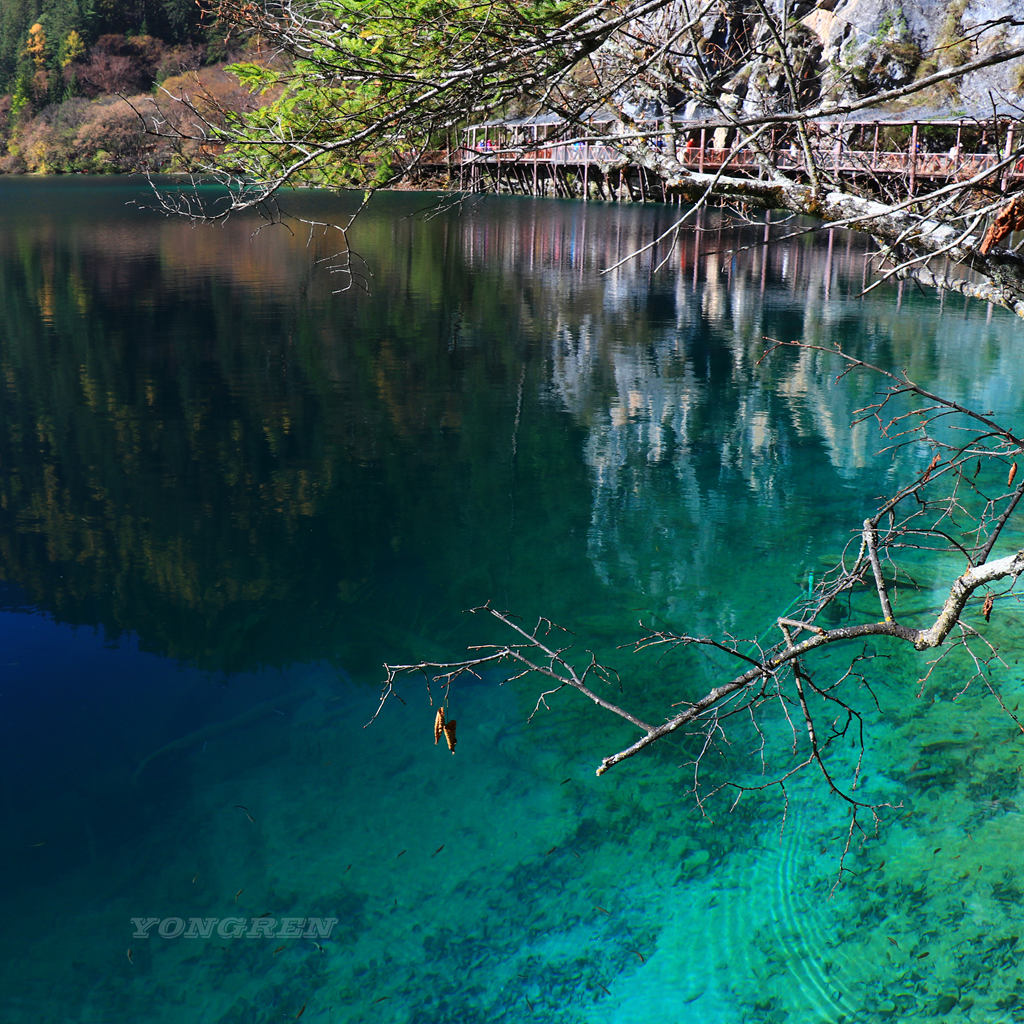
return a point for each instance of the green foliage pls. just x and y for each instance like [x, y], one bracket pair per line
[20, 100]
[16, 16]
[370, 81]
[893, 23]
[256, 78]
[72, 48]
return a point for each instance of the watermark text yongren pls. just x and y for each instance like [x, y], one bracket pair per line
[233, 927]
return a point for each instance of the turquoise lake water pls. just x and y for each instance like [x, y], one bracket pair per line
[229, 495]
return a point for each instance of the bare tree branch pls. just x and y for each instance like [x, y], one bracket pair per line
[910, 518]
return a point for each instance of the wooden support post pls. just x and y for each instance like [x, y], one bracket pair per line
[1009, 149]
[913, 157]
[535, 159]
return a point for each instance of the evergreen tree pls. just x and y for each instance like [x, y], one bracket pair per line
[174, 22]
[16, 17]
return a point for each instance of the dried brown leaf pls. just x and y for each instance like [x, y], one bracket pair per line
[449, 735]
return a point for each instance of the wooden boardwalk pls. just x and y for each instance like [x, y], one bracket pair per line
[514, 156]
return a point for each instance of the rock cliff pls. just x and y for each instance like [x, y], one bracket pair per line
[850, 49]
[872, 44]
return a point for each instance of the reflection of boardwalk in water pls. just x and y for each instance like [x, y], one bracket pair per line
[540, 155]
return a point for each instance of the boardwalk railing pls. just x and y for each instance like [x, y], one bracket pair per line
[923, 165]
[977, 147]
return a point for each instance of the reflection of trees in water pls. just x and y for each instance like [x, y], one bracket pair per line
[200, 445]
[120, 452]
[694, 441]
[242, 477]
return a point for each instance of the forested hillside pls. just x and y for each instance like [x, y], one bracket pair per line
[67, 27]
[75, 73]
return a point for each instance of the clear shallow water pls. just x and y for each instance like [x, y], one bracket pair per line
[228, 496]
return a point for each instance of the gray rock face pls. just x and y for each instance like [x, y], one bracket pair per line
[838, 50]
[873, 44]
[1003, 81]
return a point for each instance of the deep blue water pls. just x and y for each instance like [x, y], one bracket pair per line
[228, 495]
